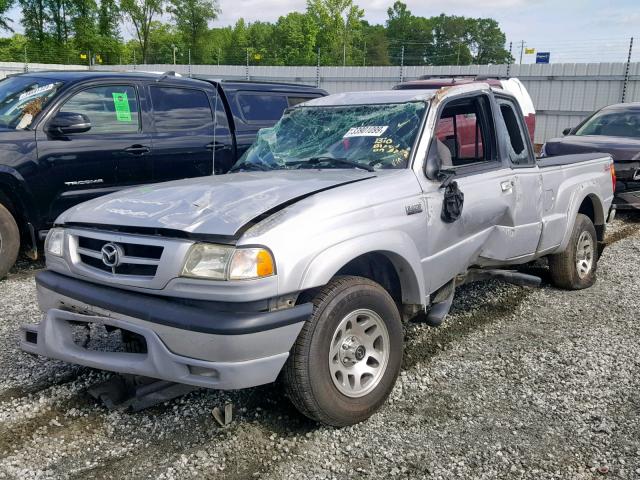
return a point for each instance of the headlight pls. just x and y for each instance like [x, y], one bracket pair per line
[220, 262]
[206, 260]
[54, 243]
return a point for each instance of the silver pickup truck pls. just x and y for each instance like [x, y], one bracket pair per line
[355, 212]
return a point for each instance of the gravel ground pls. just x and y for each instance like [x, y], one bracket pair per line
[518, 383]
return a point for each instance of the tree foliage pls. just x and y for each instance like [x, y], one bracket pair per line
[69, 31]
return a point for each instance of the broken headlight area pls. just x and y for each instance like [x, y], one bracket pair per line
[105, 338]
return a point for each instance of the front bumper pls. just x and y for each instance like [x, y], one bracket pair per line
[190, 344]
[627, 185]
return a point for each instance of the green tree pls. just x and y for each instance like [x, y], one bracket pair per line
[409, 36]
[5, 22]
[339, 30]
[192, 19]
[376, 45]
[141, 14]
[451, 39]
[295, 39]
[34, 19]
[108, 19]
[487, 42]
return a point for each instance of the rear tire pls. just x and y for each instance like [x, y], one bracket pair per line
[575, 268]
[347, 357]
[9, 241]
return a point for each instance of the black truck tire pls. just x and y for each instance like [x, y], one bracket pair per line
[347, 357]
[9, 241]
[575, 268]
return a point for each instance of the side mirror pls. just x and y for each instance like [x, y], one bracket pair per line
[433, 163]
[65, 123]
[566, 131]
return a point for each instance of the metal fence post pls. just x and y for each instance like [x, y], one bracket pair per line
[134, 58]
[26, 60]
[247, 66]
[626, 71]
[189, 62]
[510, 58]
[318, 70]
[402, 64]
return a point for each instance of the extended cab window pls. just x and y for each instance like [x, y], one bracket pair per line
[110, 109]
[517, 144]
[463, 132]
[180, 109]
[262, 107]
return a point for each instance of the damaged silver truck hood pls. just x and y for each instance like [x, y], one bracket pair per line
[216, 205]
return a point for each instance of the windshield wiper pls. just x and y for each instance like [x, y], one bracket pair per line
[332, 161]
[248, 167]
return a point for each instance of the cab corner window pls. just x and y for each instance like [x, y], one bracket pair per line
[517, 142]
[181, 109]
[262, 107]
[110, 109]
[462, 132]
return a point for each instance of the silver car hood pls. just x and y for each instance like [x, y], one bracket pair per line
[216, 205]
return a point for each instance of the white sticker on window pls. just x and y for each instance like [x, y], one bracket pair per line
[370, 131]
[36, 91]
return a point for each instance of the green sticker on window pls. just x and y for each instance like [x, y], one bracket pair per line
[121, 102]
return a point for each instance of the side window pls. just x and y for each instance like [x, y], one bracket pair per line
[262, 107]
[462, 132]
[518, 151]
[110, 109]
[222, 122]
[180, 109]
[293, 101]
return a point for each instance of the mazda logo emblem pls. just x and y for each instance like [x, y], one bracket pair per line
[111, 255]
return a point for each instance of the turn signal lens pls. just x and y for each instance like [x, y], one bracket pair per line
[248, 263]
[54, 243]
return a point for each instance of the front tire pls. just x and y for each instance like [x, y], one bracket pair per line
[575, 268]
[9, 241]
[347, 357]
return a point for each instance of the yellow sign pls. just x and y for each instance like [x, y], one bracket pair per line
[529, 51]
[83, 56]
[98, 59]
[257, 56]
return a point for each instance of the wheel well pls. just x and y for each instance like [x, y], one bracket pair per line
[12, 204]
[377, 267]
[588, 208]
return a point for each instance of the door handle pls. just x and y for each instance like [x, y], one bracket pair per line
[137, 150]
[506, 186]
[215, 146]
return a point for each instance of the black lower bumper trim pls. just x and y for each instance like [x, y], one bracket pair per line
[166, 311]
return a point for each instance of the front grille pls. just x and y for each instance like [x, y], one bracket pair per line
[134, 259]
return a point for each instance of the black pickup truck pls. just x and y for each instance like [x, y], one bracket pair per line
[67, 137]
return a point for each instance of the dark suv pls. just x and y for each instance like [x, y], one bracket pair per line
[66, 137]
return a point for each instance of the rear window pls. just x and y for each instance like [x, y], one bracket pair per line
[180, 109]
[262, 107]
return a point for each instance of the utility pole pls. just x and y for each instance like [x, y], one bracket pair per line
[402, 64]
[521, 50]
[626, 72]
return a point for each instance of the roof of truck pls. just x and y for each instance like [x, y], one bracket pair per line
[81, 75]
[372, 97]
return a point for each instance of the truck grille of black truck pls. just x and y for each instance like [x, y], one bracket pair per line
[135, 259]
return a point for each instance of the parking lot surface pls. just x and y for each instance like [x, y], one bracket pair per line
[518, 383]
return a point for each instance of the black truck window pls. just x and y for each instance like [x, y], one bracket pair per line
[181, 109]
[110, 108]
[262, 107]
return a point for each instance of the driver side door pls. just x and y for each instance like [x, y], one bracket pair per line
[76, 167]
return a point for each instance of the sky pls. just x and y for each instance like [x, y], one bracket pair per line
[572, 30]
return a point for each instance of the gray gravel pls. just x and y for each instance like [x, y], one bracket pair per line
[518, 383]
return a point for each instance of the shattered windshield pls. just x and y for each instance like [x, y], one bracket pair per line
[354, 136]
[22, 98]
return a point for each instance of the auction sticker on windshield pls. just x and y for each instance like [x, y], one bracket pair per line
[121, 103]
[36, 91]
[369, 131]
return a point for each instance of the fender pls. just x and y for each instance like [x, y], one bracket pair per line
[577, 198]
[13, 185]
[395, 245]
